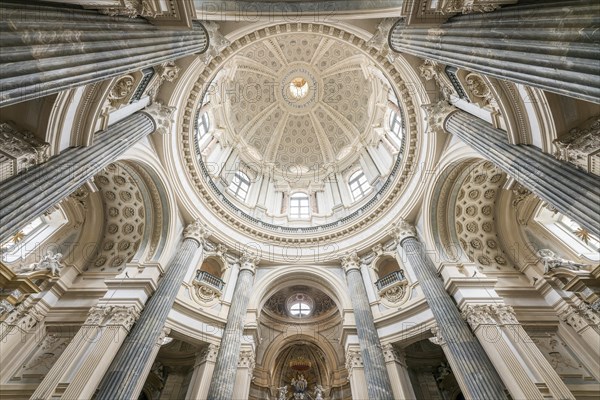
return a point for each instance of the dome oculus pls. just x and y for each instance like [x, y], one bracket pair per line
[298, 88]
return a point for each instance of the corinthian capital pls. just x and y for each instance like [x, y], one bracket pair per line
[112, 315]
[162, 115]
[350, 261]
[197, 231]
[403, 229]
[437, 114]
[249, 261]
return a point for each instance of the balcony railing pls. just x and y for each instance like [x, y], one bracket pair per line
[205, 277]
[389, 279]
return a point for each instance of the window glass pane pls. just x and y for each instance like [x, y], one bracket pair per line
[359, 186]
[240, 185]
[299, 206]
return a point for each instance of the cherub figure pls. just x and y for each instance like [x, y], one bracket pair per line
[282, 393]
[318, 392]
[551, 261]
[50, 262]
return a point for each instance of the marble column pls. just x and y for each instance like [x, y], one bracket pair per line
[130, 366]
[223, 381]
[47, 48]
[29, 194]
[549, 45]
[572, 191]
[516, 357]
[378, 381]
[203, 372]
[472, 366]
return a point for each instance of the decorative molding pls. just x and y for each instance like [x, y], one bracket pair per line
[437, 114]
[402, 229]
[432, 70]
[581, 146]
[580, 318]
[249, 261]
[163, 116]
[217, 42]
[489, 314]
[132, 9]
[19, 150]
[208, 354]
[121, 90]
[353, 360]
[480, 90]
[351, 261]
[247, 359]
[198, 231]
[470, 6]
[111, 315]
[391, 354]
[437, 337]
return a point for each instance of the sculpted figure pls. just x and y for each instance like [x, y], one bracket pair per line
[551, 261]
[50, 262]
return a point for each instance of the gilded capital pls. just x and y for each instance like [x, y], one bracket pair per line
[249, 261]
[403, 229]
[437, 115]
[197, 231]
[350, 261]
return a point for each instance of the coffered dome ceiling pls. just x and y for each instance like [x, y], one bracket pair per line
[300, 103]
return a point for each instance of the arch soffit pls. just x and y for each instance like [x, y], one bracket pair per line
[284, 276]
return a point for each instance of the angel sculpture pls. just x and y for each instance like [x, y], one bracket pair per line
[282, 393]
[300, 383]
[551, 261]
[319, 392]
[50, 262]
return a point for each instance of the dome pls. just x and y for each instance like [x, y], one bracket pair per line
[292, 130]
[299, 103]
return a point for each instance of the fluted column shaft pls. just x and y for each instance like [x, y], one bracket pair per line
[378, 380]
[572, 191]
[28, 195]
[49, 48]
[479, 377]
[223, 379]
[126, 371]
[552, 46]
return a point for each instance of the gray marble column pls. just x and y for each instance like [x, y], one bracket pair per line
[29, 194]
[549, 44]
[476, 372]
[572, 191]
[223, 379]
[378, 380]
[48, 48]
[126, 370]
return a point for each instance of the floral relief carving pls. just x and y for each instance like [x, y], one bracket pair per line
[580, 145]
[111, 315]
[353, 360]
[21, 150]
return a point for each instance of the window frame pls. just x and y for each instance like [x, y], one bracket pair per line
[240, 183]
[202, 121]
[363, 186]
[303, 205]
[396, 120]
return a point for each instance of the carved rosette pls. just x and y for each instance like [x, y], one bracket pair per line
[479, 89]
[108, 315]
[197, 231]
[168, 71]
[249, 261]
[350, 261]
[163, 116]
[403, 229]
[353, 360]
[437, 115]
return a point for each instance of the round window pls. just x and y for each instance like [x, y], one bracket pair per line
[299, 305]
